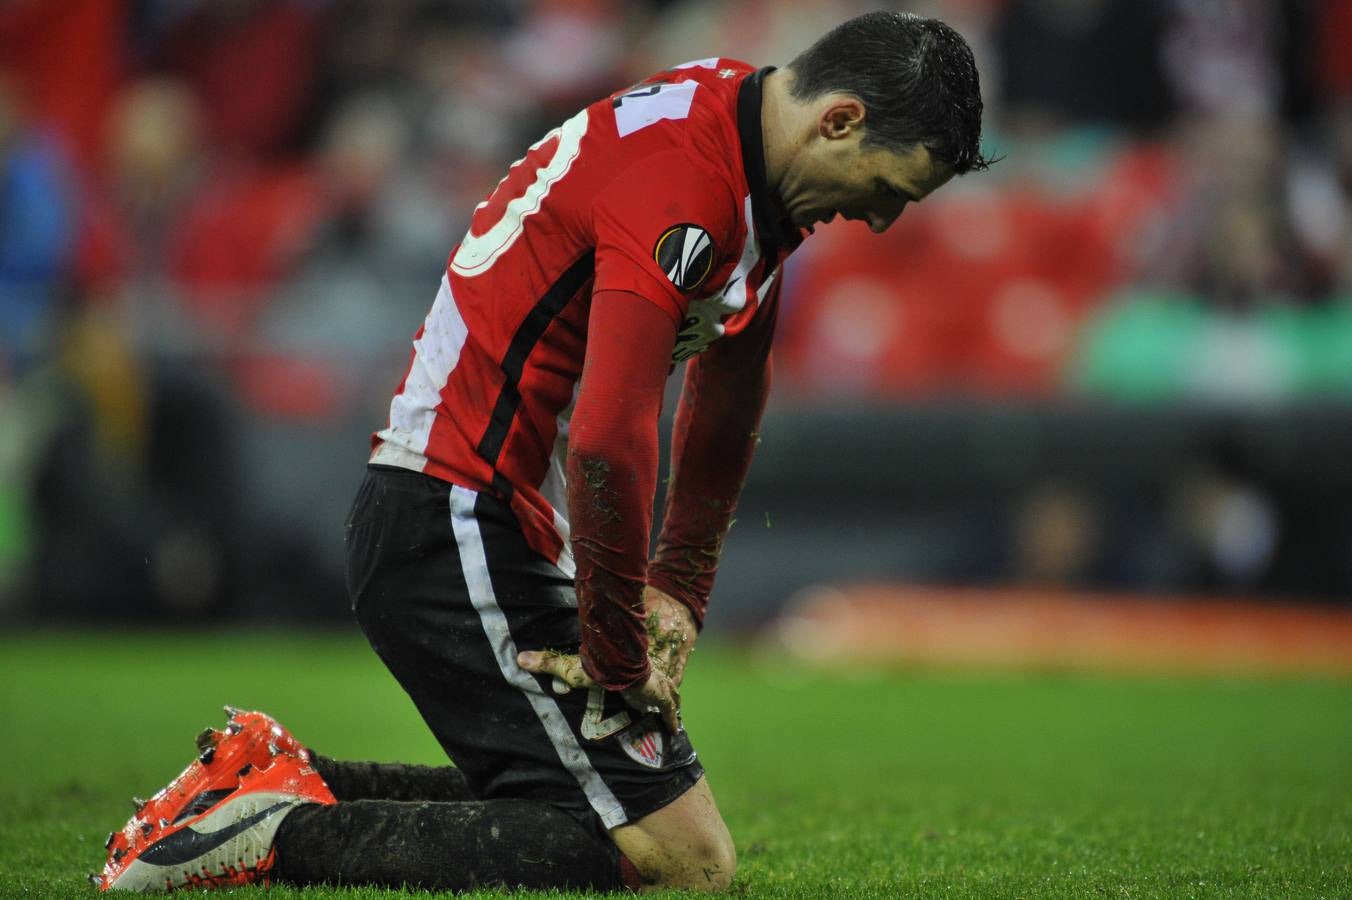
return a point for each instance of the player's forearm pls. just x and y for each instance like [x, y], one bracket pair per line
[716, 432]
[611, 522]
[612, 476]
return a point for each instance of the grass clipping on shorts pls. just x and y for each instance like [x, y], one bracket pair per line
[835, 784]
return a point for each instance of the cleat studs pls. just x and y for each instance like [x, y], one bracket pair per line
[109, 843]
[206, 739]
[273, 750]
[118, 854]
[139, 803]
[207, 756]
[164, 823]
[96, 879]
[248, 767]
[147, 828]
[231, 711]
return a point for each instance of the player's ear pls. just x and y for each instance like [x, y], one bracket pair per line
[841, 116]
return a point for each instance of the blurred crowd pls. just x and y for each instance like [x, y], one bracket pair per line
[222, 220]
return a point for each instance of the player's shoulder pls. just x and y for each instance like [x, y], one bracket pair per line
[709, 86]
[691, 106]
[716, 72]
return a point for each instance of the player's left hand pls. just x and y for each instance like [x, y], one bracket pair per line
[671, 633]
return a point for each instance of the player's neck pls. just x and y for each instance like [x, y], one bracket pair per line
[778, 125]
[786, 125]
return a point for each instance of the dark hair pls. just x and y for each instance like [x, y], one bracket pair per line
[915, 76]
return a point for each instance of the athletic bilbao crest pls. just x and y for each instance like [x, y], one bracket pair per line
[686, 255]
[645, 747]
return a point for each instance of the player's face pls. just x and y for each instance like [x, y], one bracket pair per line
[842, 176]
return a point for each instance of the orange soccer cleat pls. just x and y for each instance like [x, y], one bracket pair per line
[213, 825]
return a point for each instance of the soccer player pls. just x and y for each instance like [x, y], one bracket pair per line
[497, 549]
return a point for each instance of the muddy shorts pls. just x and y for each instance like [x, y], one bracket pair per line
[447, 591]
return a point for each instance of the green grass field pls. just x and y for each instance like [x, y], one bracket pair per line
[855, 784]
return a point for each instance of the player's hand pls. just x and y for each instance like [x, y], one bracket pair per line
[657, 695]
[565, 667]
[671, 633]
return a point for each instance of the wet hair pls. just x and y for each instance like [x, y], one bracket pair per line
[915, 76]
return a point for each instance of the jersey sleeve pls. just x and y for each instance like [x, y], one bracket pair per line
[663, 228]
[612, 475]
[716, 431]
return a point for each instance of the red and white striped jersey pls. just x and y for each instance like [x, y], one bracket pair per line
[658, 190]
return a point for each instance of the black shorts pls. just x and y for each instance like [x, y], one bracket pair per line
[447, 591]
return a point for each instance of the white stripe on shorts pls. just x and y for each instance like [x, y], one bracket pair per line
[475, 565]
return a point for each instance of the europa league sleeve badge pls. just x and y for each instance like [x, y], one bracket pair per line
[686, 254]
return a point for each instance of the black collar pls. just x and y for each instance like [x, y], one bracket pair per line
[772, 230]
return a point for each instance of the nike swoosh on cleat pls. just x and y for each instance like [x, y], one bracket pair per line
[201, 803]
[183, 846]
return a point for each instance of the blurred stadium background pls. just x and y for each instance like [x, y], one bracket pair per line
[1117, 365]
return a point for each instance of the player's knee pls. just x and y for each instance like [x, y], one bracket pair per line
[683, 845]
[705, 861]
[714, 864]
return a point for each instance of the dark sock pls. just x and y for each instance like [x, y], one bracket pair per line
[390, 781]
[446, 846]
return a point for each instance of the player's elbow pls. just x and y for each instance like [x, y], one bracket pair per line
[603, 464]
[598, 472]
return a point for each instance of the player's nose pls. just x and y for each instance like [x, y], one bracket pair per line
[880, 221]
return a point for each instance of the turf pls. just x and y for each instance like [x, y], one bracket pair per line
[848, 784]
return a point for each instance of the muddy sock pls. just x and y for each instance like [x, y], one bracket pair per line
[390, 781]
[446, 846]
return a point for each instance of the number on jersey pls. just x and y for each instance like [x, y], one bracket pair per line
[527, 184]
[651, 103]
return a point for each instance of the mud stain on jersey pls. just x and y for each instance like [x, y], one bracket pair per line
[595, 473]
